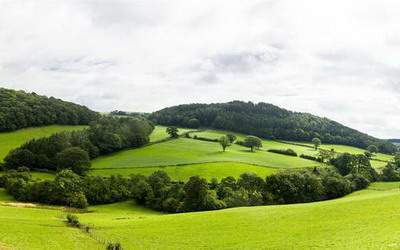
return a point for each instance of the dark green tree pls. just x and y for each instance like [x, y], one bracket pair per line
[173, 132]
[224, 142]
[252, 142]
[74, 158]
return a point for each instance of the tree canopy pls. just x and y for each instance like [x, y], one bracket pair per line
[19, 109]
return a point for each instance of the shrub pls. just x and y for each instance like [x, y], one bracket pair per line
[358, 181]
[114, 246]
[289, 151]
[73, 220]
[77, 200]
[309, 157]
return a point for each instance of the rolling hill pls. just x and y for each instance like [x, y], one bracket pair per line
[266, 121]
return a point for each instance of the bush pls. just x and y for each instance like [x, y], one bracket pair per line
[77, 200]
[205, 139]
[114, 246]
[73, 220]
[289, 151]
[309, 157]
[358, 181]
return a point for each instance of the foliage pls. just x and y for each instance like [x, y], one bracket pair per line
[72, 150]
[289, 151]
[267, 121]
[232, 138]
[73, 158]
[373, 149]
[252, 142]
[19, 109]
[316, 142]
[173, 132]
[224, 142]
[73, 220]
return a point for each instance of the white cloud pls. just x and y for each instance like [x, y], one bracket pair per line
[337, 59]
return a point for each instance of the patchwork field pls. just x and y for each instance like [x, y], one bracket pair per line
[188, 151]
[11, 140]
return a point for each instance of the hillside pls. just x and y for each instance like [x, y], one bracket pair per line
[345, 223]
[19, 109]
[267, 121]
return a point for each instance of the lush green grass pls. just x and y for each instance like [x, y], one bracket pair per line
[364, 220]
[206, 170]
[38, 228]
[11, 140]
[299, 149]
[185, 151]
[160, 133]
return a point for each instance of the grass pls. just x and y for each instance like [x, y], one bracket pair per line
[269, 144]
[367, 219]
[160, 133]
[186, 151]
[206, 170]
[38, 228]
[11, 140]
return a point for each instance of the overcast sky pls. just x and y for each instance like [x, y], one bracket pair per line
[339, 59]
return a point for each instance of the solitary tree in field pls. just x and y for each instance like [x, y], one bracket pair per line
[231, 137]
[372, 149]
[252, 142]
[225, 142]
[173, 132]
[317, 142]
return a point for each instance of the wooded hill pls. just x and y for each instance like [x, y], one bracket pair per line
[19, 109]
[267, 121]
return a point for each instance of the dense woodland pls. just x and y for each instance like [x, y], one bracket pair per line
[74, 150]
[19, 109]
[267, 121]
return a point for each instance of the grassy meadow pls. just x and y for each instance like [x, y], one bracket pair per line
[38, 228]
[11, 140]
[367, 218]
[188, 151]
[184, 172]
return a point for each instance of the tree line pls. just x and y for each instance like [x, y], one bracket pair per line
[266, 121]
[19, 109]
[74, 150]
[157, 191]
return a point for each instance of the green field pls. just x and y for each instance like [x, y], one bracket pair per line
[269, 144]
[367, 219]
[11, 140]
[206, 170]
[159, 133]
[186, 151]
[37, 228]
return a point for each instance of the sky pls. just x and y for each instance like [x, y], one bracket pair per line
[337, 59]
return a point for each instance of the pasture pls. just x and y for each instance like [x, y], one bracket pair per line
[345, 223]
[14, 139]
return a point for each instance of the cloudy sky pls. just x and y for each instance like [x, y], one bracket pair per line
[339, 59]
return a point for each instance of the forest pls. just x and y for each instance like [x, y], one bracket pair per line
[19, 109]
[266, 121]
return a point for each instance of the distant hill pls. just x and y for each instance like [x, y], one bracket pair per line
[267, 121]
[19, 109]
